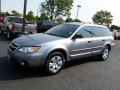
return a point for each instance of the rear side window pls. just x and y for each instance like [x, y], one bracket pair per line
[100, 31]
[105, 32]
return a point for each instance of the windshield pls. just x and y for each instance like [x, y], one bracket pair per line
[16, 20]
[63, 30]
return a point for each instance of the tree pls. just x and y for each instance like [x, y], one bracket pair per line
[77, 20]
[69, 20]
[30, 16]
[7, 13]
[15, 13]
[56, 8]
[60, 20]
[44, 16]
[115, 27]
[103, 17]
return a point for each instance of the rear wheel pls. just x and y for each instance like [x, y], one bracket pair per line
[54, 63]
[105, 53]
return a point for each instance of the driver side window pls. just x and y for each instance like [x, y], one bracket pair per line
[84, 32]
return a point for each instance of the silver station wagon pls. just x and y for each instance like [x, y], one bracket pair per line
[65, 42]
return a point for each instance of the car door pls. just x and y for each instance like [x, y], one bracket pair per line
[81, 47]
[98, 39]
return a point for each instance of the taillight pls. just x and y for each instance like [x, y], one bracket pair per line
[12, 26]
[1, 18]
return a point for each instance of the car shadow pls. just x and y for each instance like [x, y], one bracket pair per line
[10, 72]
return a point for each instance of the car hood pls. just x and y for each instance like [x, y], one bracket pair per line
[35, 39]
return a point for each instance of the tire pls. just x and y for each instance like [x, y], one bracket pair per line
[54, 63]
[105, 53]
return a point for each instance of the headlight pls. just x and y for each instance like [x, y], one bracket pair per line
[28, 49]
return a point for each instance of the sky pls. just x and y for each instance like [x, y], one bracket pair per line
[87, 10]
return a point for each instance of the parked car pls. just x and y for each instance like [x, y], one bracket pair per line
[44, 25]
[116, 34]
[12, 26]
[2, 16]
[60, 44]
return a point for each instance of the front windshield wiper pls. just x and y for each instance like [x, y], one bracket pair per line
[50, 34]
[53, 34]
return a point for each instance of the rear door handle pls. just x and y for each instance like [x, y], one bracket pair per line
[103, 40]
[89, 41]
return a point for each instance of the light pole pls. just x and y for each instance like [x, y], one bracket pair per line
[0, 6]
[78, 6]
[38, 10]
[24, 15]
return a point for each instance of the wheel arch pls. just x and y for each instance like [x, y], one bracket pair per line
[64, 52]
[109, 46]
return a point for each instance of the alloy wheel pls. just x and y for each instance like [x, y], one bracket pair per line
[55, 64]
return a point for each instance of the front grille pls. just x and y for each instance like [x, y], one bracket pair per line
[13, 46]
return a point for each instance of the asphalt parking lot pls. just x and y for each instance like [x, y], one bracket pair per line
[84, 74]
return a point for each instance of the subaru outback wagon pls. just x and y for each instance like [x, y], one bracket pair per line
[62, 43]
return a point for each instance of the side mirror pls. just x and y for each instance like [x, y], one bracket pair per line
[77, 36]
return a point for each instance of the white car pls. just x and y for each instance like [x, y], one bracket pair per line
[116, 34]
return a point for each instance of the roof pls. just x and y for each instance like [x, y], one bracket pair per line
[86, 24]
[14, 16]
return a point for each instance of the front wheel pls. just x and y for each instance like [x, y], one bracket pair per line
[54, 63]
[105, 53]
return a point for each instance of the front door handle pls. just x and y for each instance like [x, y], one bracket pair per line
[103, 40]
[89, 41]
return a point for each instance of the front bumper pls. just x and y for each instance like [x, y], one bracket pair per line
[29, 59]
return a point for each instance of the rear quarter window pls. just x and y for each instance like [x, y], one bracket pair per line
[105, 32]
[100, 31]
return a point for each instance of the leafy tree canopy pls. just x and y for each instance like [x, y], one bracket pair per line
[103, 17]
[30, 16]
[44, 16]
[69, 20]
[15, 13]
[60, 20]
[56, 8]
[115, 27]
[77, 20]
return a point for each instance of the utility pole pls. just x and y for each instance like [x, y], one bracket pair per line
[0, 6]
[38, 10]
[78, 6]
[24, 15]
